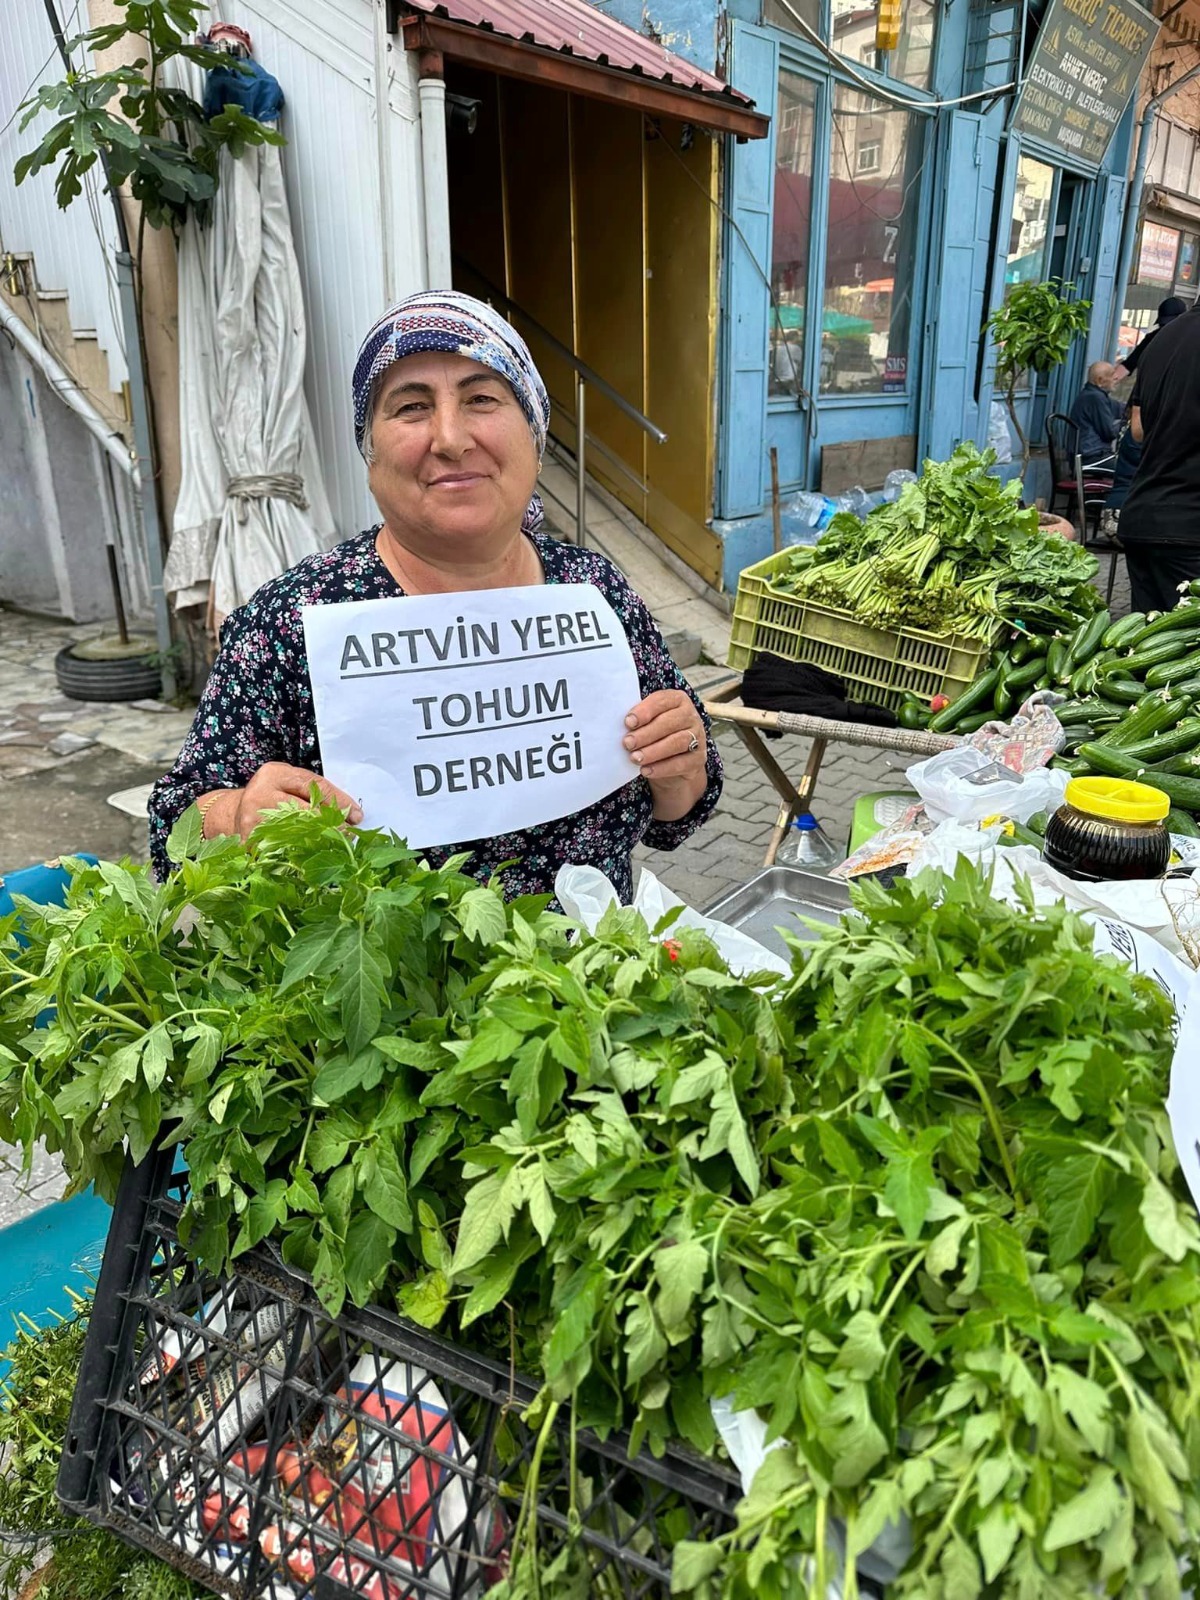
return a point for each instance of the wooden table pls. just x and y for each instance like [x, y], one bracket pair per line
[723, 705]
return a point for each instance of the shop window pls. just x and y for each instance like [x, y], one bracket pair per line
[871, 249]
[1185, 271]
[795, 122]
[1157, 255]
[1029, 235]
[853, 34]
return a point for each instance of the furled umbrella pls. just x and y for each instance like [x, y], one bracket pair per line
[252, 499]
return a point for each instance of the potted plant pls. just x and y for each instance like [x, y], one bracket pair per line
[1033, 331]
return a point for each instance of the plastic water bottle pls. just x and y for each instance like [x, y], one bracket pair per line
[808, 845]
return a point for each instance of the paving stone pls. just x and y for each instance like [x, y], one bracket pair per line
[70, 744]
[55, 716]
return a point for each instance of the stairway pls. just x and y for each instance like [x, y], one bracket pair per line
[47, 315]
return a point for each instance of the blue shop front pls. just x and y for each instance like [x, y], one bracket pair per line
[868, 238]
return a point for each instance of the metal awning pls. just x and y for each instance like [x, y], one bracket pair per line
[569, 45]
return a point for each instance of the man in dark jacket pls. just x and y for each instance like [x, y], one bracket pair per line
[1168, 310]
[1096, 415]
[1160, 524]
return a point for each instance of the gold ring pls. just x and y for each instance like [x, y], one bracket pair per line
[693, 744]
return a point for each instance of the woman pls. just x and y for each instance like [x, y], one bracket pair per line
[450, 415]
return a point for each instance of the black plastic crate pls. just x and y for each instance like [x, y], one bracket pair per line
[230, 1426]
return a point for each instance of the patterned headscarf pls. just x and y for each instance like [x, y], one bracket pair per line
[442, 319]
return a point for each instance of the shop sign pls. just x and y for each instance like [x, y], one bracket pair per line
[895, 374]
[1185, 272]
[1084, 72]
[466, 716]
[1156, 258]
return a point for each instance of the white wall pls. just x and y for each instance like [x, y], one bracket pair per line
[324, 52]
[72, 249]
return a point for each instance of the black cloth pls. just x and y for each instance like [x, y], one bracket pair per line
[1170, 308]
[1157, 570]
[1163, 505]
[773, 684]
[1097, 418]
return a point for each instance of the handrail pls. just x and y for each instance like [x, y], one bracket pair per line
[589, 374]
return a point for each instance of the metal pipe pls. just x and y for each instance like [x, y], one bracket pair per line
[432, 92]
[383, 153]
[1133, 201]
[581, 367]
[580, 461]
[147, 499]
[69, 391]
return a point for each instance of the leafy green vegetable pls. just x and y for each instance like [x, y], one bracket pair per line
[35, 1403]
[917, 1203]
[953, 554]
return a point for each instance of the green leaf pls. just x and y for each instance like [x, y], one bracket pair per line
[1087, 1515]
[358, 989]
[645, 1344]
[483, 917]
[426, 1301]
[370, 1242]
[486, 1218]
[386, 1191]
[329, 1275]
[863, 1350]
[692, 1563]
[315, 949]
[727, 1132]
[1162, 1221]
[1072, 1192]
[541, 1206]
[996, 1537]
[681, 1269]
[184, 838]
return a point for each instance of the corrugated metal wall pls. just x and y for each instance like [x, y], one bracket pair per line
[73, 250]
[323, 53]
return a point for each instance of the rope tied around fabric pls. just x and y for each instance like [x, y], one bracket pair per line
[266, 486]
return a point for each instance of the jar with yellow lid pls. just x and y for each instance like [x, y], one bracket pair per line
[1109, 828]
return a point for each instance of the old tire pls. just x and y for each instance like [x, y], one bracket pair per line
[121, 678]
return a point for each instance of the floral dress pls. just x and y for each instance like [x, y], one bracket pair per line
[258, 706]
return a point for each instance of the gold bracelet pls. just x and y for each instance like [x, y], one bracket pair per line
[204, 807]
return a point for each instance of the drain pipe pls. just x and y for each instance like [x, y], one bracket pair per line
[68, 391]
[432, 92]
[1133, 202]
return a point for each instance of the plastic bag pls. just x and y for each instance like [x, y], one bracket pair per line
[967, 785]
[586, 894]
[999, 438]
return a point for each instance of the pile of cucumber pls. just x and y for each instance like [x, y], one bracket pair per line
[1133, 706]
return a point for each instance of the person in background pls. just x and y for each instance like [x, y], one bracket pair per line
[1160, 522]
[1096, 415]
[1169, 309]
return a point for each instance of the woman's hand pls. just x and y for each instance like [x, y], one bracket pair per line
[240, 810]
[667, 740]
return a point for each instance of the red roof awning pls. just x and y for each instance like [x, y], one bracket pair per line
[572, 46]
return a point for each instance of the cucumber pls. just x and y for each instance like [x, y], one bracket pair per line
[1185, 735]
[1077, 711]
[1056, 659]
[1169, 647]
[1121, 691]
[1026, 647]
[1026, 673]
[1180, 791]
[1073, 765]
[1085, 679]
[1186, 765]
[974, 721]
[1173, 671]
[1185, 615]
[1037, 823]
[1021, 835]
[973, 698]
[1180, 822]
[1119, 635]
[1086, 640]
[1154, 715]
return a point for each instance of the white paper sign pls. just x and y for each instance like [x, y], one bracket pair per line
[464, 716]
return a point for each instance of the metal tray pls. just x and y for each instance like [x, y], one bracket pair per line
[775, 899]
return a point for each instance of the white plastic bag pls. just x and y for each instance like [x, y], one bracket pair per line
[586, 894]
[966, 785]
[999, 438]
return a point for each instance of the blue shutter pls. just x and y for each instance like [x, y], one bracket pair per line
[754, 69]
[1111, 198]
[969, 166]
[999, 250]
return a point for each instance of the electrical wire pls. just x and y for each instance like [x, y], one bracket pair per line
[22, 99]
[926, 107]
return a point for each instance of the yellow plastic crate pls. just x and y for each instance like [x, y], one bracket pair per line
[877, 664]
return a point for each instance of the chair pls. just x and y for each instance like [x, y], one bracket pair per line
[1062, 443]
[1093, 484]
